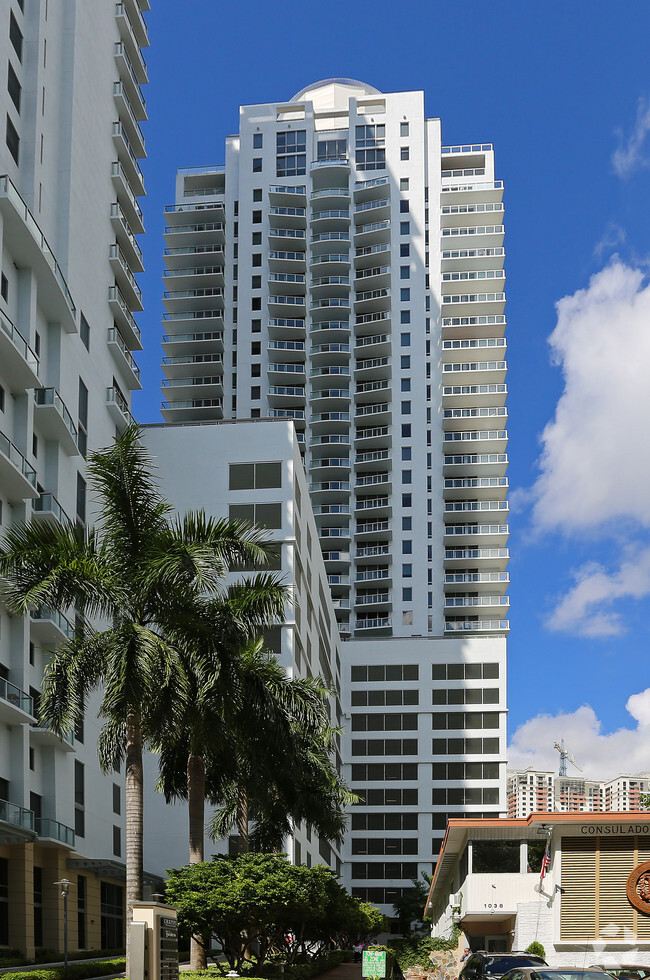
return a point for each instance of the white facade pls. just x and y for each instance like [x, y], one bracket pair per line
[344, 270]
[530, 791]
[69, 182]
[252, 471]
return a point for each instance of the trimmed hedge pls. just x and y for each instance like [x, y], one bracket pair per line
[76, 971]
[291, 971]
[414, 950]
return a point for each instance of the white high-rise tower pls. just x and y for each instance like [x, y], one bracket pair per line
[344, 269]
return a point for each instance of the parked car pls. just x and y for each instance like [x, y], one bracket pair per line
[625, 972]
[491, 966]
[545, 973]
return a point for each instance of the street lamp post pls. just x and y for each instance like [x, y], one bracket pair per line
[65, 887]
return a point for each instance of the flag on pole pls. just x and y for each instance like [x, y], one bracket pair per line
[546, 860]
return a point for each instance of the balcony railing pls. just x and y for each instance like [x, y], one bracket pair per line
[50, 396]
[14, 695]
[14, 455]
[19, 816]
[54, 830]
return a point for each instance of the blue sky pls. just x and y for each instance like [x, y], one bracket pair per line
[563, 91]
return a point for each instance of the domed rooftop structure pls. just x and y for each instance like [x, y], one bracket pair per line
[349, 82]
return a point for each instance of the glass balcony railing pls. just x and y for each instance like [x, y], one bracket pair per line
[54, 830]
[45, 614]
[14, 695]
[14, 455]
[50, 396]
[19, 816]
[48, 504]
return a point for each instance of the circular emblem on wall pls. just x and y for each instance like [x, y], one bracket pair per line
[638, 887]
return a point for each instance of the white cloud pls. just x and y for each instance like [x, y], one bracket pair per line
[601, 756]
[613, 236]
[595, 462]
[586, 608]
[631, 154]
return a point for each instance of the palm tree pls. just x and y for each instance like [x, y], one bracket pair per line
[141, 571]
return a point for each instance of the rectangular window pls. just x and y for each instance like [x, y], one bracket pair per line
[84, 331]
[255, 476]
[265, 515]
[291, 150]
[14, 87]
[257, 165]
[81, 912]
[13, 140]
[405, 339]
[404, 250]
[81, 498]
[117, 799]
[4, 287]
[112, 915]
[257, 141]
[405, 227]
[16, 36]
[331, 149]
[404, 153]
[405, 295]
[82, 428]
[404, 129]
[406, 408]
[117, 842]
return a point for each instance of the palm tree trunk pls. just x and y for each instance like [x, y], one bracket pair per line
[133, 806]
[242, 819]
[196, 807]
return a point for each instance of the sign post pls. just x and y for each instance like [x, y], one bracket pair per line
[158, 946]
[374, 963]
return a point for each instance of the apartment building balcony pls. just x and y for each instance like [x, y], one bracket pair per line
[50, 626]
[371, 346]
[293, 239]
[287, 195]
[17, 476]
[194, 277]
[373, 573]
[465, 213]
[330, 169]
[367, 256]
[192, 410]
[16, 706]
[372, 233]
[322, 376]
[334, 488]
[458, 260]
[471, 191]
[373, 528]
[287, 217]
[192, 365]
[16, 821]
[374, 507]
[491, 440]
[476, 303]
[370, 552]
[373, 482]
[372, 188]
[129, 115]
[128, 158]
[330, 219]
[280, 395]
[454, 419]
[52, 833]
[330, 534]
[478, 326]
[372, 368]
[325, 242]
[133, 29]
[281, 373]
[124, 318]
[332, 285]
[17, 357]
[476, 372]
[127, 197]
[47, 738]
[205, 385]
[30, 249]
[329, 399]
[372, 210]
[190, 321]
[480, 235]
[287, 259]
[54, 420]
[373, 459]
[126, 239]
[335, 353]
[496, 582]
[323, 309]
[369, 391]
[287, 283]
[336, 560]
[369, 324]
[118, 408]
[474, 395]
[185, 256]
[372, 300]
[477, 627]
[490, 535]
[336, 510]
[330, 195]
[478, 487]
[455, 348]
[366, 600]
[277, 305]
[331, 330]
[469, 509]
[46, 507]
[371, 436]
[488, 606]
[373, 626]
[133, 76]
[201, 342]
[334, 467]
[458, 558]
[330, 263]
[375, 414]
[286, 327]
[332, 422]
[124, 277]
[194, 300]
[468, 464]
[194, 232]
[472, 279]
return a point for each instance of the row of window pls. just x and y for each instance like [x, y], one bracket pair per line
[377, 772]
[465, 796]
[374, 870]
[464, 672]
[440, 721]
[384, 821]
[384, 746]
[381, 698]
[385, 672]
[465, 746]
[379, 896]
[467, 695]
[465, 770]
[387, 797]
[385, 845]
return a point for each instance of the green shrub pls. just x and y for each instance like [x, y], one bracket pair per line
[536, 949]
[76, 971]
[414, 950]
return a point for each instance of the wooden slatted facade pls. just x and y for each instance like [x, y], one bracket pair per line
[594, 874]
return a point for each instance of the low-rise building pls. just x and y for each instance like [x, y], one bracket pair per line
[585, 897]
[536, 791]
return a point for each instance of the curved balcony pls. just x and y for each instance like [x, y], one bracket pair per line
[17, 476]
[17, 357]
[333, 422]
[496, 558]
[373, 507]
[323, 309]
[43, 736]
[330, 263]
[192, 410]
[335, 488]
[480, 487]
[29, 248]
[287, 194]
[373, 435]
[466, 464]
[335, 353]
[329, 399]
[330, 533]
[478, 626]
[456, 418]
[474, 394]
[330, 170]
[335, 510]
[336, 560]
[497, 582]
[333, 330]
[286, 217]
[324, 286]
[328, 194]
[287, 258]
[375, 414]
[478, 372]
[490, 535]
[322, 375]
[330, 219]
[54, 420]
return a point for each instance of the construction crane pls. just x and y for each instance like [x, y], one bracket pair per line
[565, 756]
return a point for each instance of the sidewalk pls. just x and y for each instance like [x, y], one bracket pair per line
[346, 971]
